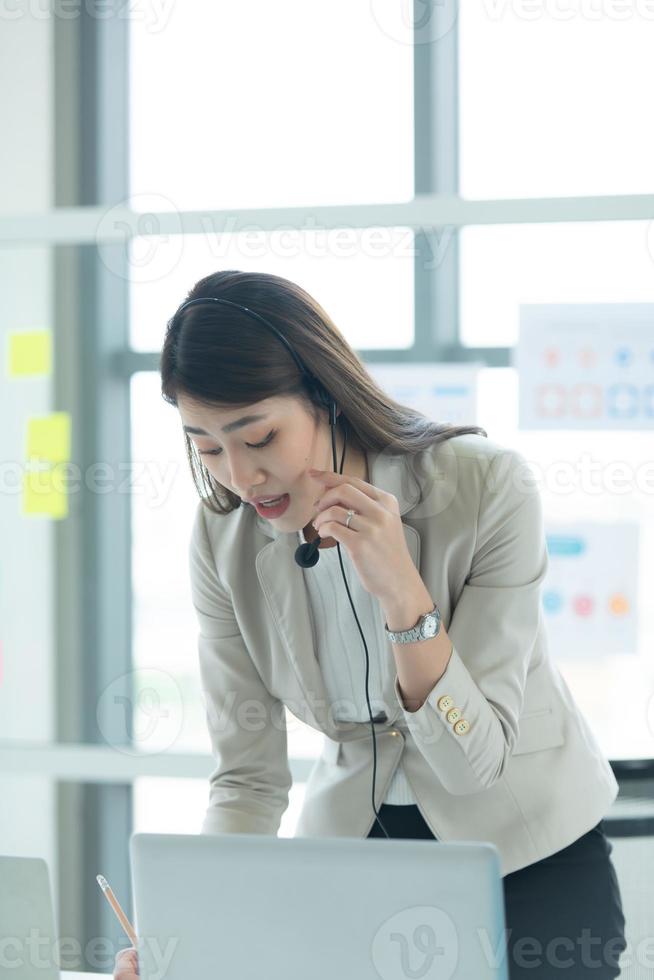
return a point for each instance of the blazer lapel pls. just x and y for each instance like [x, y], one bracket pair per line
[282, 581]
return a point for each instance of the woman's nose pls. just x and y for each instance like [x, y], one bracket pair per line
[244, 475]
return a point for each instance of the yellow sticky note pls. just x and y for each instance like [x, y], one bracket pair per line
[48, 437]
[44, 492]
[30, 352]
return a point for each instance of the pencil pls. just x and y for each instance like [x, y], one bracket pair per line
[113, 901]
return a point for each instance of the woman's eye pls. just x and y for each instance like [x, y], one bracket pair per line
[258, 445]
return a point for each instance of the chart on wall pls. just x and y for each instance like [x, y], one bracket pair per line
[589, 594]
[442, 392]
[586, 366]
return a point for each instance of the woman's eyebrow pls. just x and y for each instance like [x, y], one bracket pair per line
[238, 424]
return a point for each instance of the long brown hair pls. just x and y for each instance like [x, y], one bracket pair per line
[221, 357]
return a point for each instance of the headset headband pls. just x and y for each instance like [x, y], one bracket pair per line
[321, 393]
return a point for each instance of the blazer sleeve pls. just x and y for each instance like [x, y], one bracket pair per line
[493, 630]
[250, 783]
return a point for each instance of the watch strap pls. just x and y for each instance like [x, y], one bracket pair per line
[427, 627]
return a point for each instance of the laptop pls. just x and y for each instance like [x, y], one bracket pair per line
[288, 908]
[27, 928]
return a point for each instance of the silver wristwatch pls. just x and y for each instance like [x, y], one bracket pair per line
[426, 627]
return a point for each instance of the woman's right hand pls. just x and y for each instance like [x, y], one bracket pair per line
[126, 966]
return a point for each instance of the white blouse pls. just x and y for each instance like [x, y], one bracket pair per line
[340, 650]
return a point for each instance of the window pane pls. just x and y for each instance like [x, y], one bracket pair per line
[601, 685]
[594, 262]
[554, 99]
[363, 278]
[269, 104]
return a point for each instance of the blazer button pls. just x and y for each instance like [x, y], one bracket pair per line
[445, 702]
[453, 715]
[462, 727]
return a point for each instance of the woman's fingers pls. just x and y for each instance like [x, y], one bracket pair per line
[127, 964]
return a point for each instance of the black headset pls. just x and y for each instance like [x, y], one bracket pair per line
[307, 555]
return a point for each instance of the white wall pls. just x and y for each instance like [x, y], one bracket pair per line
[27, 814]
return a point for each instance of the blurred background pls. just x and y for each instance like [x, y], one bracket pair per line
[467, 191]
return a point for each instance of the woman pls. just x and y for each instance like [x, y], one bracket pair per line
[477, 736]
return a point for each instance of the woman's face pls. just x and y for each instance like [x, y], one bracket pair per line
[231, 446]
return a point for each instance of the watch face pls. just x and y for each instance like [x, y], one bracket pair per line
[429, 627]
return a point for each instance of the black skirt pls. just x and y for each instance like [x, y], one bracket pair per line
[563, 914]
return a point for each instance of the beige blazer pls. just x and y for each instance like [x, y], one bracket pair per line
[527, 774]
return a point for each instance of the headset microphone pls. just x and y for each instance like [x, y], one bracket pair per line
[307, 555]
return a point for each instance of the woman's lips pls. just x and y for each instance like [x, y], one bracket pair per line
[275, 511]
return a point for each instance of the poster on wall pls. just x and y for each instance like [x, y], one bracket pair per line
[586, 366]
[589, 594]
[442, 392]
